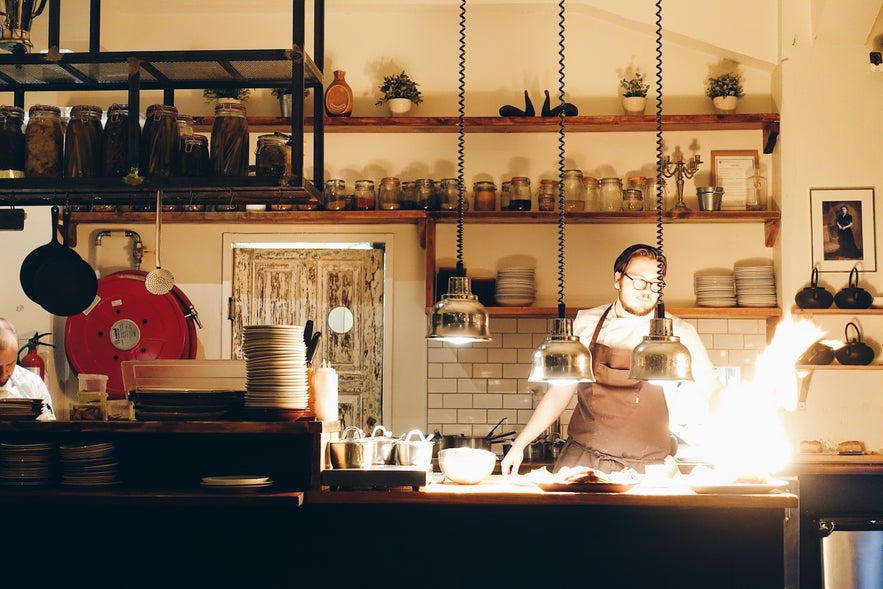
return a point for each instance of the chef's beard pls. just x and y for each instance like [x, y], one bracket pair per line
[640, 307]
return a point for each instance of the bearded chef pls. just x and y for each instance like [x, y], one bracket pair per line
[619, 422]
[17, 382]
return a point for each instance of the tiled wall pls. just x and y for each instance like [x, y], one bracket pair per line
[471, 388]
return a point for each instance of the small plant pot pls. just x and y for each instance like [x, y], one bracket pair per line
[634, 105]
[399, 106]
[725, 104]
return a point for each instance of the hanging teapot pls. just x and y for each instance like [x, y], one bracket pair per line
[854, 352]
[853, 297]
[814, 296]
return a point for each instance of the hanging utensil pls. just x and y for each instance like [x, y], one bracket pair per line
[308, 332]
[490, 434]
[159, 281]
[311, 347]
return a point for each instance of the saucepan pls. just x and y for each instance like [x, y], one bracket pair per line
[413, 449]
[349, 450]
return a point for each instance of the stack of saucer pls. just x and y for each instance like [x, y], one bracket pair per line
[236, 484]
[715, 290]
[26, 464]
[755, 286]
[515, 287]
[89, 464]
[275, 367]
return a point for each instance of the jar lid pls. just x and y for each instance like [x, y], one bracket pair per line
[590, 180]
[277, 138]
[195, 138]
[44, 109]
[573, 172]
[11, 111]
[485, 184]
[162, 110]
[521, 179]
[230, 109]
[364, 182]
[186, 119]
[390, 180]
[549, 181]
[611, 180]
[86, 111]
[118, 109]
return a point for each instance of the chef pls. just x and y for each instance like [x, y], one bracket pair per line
[17, 382]
[619, 422]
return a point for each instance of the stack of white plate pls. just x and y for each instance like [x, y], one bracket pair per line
[515, 287]
[275, 367]
[755, 286]
[236, 484]
[715, 290]
[89, 464]
[25, 464]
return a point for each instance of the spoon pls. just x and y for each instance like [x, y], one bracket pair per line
[159, 281]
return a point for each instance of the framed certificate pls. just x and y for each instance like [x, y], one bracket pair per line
[730, 170]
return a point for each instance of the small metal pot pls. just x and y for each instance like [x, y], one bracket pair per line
[411, 452]
[348, 452]
[380, 449]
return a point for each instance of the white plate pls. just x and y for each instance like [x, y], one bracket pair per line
[234, 480]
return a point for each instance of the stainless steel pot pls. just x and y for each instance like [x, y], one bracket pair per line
[414, 452]
[380, 449]
[463, 441]
[348, 451]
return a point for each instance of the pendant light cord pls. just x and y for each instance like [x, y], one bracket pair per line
[561, 201]
[461, 136]
[660, 276]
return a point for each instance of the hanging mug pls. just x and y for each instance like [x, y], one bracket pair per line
[853, 297]
[814, 296]
[854, 352]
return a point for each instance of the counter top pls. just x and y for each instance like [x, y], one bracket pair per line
[840, 464]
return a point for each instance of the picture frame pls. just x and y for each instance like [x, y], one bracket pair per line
[729, 170]
[836, 248]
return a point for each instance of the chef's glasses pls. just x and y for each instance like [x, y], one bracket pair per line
[641, 284]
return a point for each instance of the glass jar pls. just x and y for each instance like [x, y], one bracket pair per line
[484, 196]
[273, 155]
[593, 193]
[632, 200]
[44, 142]
[160, 141]
[449, 195]
[547, 195]
[519, 194]
[756, 192]
[574, 191]
[334, 194]
[115, 142]
[185, 125]
[193, 157]
[229, 141]
[365, 195]
[408, 198]
[611, 194]
[651, 187]
[505, 196]
[390, 194]
[12, 142]
[427, 199]
[83, 154]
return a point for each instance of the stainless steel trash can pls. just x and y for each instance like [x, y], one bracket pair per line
[852, 552]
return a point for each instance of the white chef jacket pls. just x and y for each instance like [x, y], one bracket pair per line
[24, 384]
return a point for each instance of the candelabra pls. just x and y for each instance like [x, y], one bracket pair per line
[680, 169]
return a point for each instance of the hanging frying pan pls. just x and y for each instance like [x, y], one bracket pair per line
[129, 323]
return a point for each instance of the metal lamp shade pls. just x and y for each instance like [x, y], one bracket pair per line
[661, 356]
[459, 318]
[562, 358]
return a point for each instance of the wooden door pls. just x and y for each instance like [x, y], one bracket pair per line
[291, 285]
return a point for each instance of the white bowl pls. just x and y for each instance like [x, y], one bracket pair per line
[466, 466]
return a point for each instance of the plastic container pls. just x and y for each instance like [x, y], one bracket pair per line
[96, 383]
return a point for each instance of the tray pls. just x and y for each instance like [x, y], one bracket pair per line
[585, 487]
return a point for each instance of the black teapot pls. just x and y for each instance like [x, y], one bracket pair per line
[854, 352]
[814, 296]
[853, 297]
[817, 354]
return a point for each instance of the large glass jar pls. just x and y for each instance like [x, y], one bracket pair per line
[547, 195]
[185, 125]
[449, 195]
[651, 188]
[632, 199]
[193, 157]
[273, 155]
[519, 194]
[116, 141]
[390, 193]
[611, 194]
[83, 154]
[593, 193]
[408, 198]
[229, 142]
[427, 199]
[505, 195]
[484, 196]
[44, 142]
[364, 195]
[335, 194]
[12, 142]
[574, 191]
[160, 141]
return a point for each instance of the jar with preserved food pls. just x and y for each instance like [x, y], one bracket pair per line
[193, 157]
[273, 155]
[160, 141]
[574, 191]
[12, 142]
[519, 194]
[116, 141]
[611, 194]
[484, 195]
[651, 187]
[593, 193]
[390, 193]
[83, 153]
[449, 195]
[335, 194]
[547, 195]
[185, 125]
[365, 196]
[229, 142]
[505, 196]
[427, 199]
[44, 142]
[408, 198]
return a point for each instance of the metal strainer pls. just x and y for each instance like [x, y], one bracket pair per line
[159, 281]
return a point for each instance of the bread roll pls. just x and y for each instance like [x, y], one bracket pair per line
[850, 447]
[810, 447]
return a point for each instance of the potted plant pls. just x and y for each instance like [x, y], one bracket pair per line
[400, 92]
[634, 93]
[725, 90]
[231, 93]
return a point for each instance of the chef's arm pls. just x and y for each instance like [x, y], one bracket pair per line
[550, 408]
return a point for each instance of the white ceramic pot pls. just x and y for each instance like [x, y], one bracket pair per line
[725, 103]
[634, 105]
[399, 106]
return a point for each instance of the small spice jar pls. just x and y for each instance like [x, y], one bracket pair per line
[390, 194]
[83, 153]
[592, 193]
[12, 142]
[547, 194]
[519, 194]
[574, 191]
[364, 195]
[611, 194]
[116, 141]
[505, 187]
[229, 141]
[44, 142]
[273, 155]
[427, 199]
[160, 141]
[185, 125]
[632, 200]
[193, 159]
[335, 194]
[484, 196]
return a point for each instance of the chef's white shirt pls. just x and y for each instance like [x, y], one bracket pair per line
[24, 384]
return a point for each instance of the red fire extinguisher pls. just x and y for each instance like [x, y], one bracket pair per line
[32, 360]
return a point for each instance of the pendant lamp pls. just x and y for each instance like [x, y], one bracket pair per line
[661, 355]
[562, 357]
[459, 318]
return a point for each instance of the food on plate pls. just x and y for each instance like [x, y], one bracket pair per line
[581, 475]
[850, 447]
[810, 446]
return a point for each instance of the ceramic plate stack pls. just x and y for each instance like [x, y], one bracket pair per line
[755, 286]
[275, 368]
[20, 409]
[236, 484]
[515, 287]
[89, 464]
[715, 290]
[27, 464]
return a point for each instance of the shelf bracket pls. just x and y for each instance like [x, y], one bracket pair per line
[804, 377]
[771, 231]
[770, 136]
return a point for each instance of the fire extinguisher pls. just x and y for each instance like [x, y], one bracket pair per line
[32, 360]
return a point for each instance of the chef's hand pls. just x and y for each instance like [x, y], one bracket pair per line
[512, 460]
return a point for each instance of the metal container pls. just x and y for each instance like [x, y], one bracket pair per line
[380, 449]
[349, 450]
[414, 452]
[709, 197]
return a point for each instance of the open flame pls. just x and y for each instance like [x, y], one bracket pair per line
[745, 437]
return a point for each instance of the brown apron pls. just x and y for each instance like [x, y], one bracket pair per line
[618, 422]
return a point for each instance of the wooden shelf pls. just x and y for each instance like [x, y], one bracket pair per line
[743, 312]
[836, 311]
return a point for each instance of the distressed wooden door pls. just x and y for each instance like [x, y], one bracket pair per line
[288, 286]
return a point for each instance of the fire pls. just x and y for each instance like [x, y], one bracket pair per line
[745, 436]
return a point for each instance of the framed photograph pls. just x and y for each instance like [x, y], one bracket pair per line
[843, 229]
[729, 170]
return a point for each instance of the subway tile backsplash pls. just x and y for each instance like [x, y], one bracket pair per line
[471, 388]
